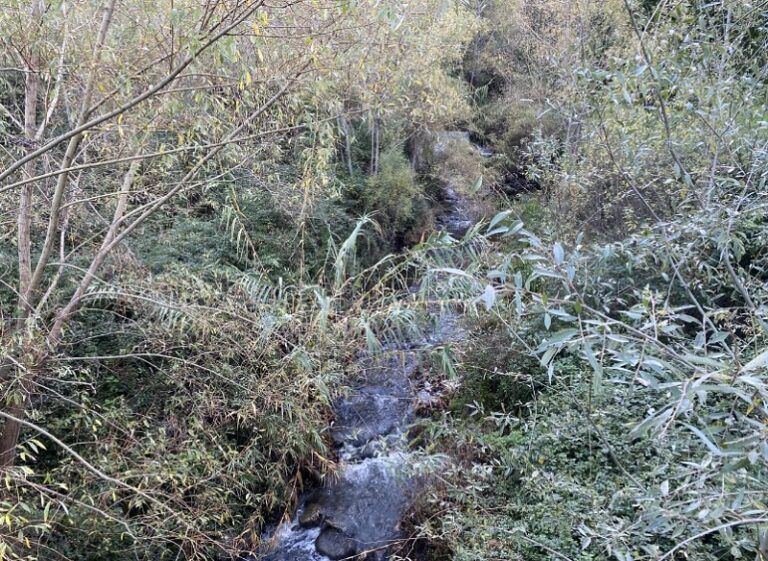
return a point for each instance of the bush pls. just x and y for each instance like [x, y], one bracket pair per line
[497, 376]
[396, 201]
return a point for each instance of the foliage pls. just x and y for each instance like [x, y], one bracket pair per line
[640, 433]
[673, 124]
[398, 198]
[644, 434]
[166, 378]
[185, 283]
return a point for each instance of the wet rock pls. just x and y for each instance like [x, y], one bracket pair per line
[427, 398]
[291, 543]
[335, 544]
[450, 195]
[367, 415]
[311, 516]
[486, 152]
[369, 500]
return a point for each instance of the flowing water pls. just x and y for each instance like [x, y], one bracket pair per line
[360, 513]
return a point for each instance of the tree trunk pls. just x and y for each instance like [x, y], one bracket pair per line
[14, 405]
[24, 216]
[29, 279]
[375, 143]
[16, 402]
[344, 126]
[10, 436]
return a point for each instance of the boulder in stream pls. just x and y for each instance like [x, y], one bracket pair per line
[335, 544]
[381, 403]
[311, 516]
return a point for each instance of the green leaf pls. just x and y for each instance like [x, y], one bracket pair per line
[597, 368]
[559, 253]
[562, 336]
[452, 271]
[477, 185]
[707, 441]
[546, 358]
[650, 423]
[498, 218]
[489, 296]
[759, 361]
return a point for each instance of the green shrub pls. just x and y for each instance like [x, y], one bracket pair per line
[497, 376]
[396, 200]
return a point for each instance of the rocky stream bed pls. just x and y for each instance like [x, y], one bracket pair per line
[359, 514]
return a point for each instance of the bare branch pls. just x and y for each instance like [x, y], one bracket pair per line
[59, 79]
[134, 101]
[74, 142]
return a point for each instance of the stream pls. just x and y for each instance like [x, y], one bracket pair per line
[359, 514]
[361, 511]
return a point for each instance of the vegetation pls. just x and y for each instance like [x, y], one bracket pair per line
[636, 283]
[207, 209]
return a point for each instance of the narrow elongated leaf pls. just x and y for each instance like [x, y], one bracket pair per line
[650, 423]
[759, 361]
[706, 440]
[562, 336]
[489, 296]
[498, 218]
[597, 368]
[559, 253]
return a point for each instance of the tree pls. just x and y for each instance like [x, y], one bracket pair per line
[115, 120]
[42, 312]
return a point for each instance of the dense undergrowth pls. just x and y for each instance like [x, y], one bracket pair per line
[614, 397]
[204, 285]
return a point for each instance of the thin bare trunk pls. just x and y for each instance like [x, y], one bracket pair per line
[24, 216]
[344, 126]
[10, 436]
[118, 229]
[28, 280]
[69, 156]
[122, 202]
[375, 143]
[58, 81]
[19, 399]
[684, 175]
[373, 147]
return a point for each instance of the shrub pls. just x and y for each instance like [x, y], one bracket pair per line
[396, 200]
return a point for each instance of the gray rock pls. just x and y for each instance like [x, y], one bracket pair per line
[311, 516]
[485, 152]
[335, 544]
[369, 500]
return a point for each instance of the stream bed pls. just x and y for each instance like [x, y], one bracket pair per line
[359, 514]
